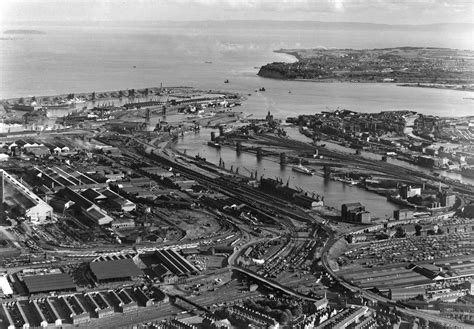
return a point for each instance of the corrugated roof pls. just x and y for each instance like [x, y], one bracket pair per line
[48, 282]
[114, 269]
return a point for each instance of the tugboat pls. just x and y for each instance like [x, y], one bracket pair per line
[302, 169]
[198, 157]
[214, 144]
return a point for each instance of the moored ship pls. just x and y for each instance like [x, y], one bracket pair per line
[302, 169]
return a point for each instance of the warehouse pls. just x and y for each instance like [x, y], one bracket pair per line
[84, 207]
[48, 282]
[114, 270]
[19, 200]
[175, 262]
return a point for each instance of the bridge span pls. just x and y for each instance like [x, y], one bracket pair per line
[274, 284]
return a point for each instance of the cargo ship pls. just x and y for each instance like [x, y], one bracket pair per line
[302, 169]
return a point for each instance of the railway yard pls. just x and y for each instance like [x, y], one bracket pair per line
[122, 228]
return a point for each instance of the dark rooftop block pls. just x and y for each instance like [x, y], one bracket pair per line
[114, 269]
[48, 282]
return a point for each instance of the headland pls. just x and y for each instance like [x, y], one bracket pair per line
[410, 66]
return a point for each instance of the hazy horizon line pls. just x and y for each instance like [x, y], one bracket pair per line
[237, 21]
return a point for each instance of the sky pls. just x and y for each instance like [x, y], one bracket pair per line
[366, 11]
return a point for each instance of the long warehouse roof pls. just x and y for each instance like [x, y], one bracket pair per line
[115, 269]
[48, 282]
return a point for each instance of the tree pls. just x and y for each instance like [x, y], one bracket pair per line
[400, 232]
[297, 310]
[418, 228]
[282, 317]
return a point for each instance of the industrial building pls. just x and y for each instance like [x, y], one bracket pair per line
[17, 199]
[62, 176]
[67, 199]
[407, 191]
[109, 199]
[43, 283]
[403, 214]
[175, 262]
[5, 287]
[114, 270]
[355, 212]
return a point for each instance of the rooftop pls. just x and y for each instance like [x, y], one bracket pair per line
[114, 269]
[48, 282]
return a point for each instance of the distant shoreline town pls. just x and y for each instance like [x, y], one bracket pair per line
[441, 68]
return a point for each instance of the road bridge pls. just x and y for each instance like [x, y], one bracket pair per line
[274, 284]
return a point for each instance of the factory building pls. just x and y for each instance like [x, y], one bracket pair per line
[114, 270]
[18, 200]
[408, 191]
[403, 214]
[175, 262]
[109, 199]
[44, 283]
[82, 207]
[355, 212]
[446, 198]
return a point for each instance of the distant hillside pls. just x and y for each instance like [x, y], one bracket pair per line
[23, 32]
[316, 25]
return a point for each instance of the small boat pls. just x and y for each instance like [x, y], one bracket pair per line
[214, 144]
[289, 91]
[302, 169]
[262, 89]
[208, 62]
[346, 180]
[226, 81]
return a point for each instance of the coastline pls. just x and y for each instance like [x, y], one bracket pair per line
[438, 86]
[112, 94]
[419, 84]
